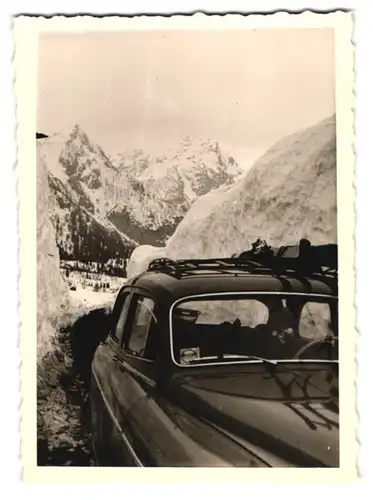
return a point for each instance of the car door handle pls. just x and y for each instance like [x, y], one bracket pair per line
[119, 364]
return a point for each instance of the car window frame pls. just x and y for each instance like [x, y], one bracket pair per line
[136, 292]
[127, 292]
[331, 298]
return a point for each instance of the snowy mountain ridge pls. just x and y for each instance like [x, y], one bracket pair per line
[164, 187]
[134, 196]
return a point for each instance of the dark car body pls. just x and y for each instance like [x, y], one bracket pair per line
[151, 408]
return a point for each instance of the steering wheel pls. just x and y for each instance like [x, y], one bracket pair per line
[328, 340]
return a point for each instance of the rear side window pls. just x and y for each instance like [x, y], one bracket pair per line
[122, 309]
[142, 321]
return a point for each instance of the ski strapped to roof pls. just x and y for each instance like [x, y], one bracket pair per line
[302, 260]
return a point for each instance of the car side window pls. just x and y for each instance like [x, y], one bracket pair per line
[142, 322]
[122, 314]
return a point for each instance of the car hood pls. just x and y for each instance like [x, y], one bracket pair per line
[287, 430]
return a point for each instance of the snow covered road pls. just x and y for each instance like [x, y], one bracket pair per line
[63, 413]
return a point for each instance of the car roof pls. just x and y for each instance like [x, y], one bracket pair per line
[164, 285]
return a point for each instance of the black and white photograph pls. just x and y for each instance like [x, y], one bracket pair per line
[189, 252]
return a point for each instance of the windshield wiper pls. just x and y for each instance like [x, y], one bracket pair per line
[245, 357]
[248, 358]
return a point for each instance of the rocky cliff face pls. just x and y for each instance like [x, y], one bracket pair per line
[104, 207]
[164, 187]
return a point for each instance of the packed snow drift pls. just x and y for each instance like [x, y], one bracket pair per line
[288, 194]
[141, 258]
[52, 292]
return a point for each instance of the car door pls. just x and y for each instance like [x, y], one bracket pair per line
[130, 367]
[106, 433]
[135, 368]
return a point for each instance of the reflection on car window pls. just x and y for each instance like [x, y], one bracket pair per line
[315, 321]
[119, 327]
[143, 319]
[248, 312]
[270, 326]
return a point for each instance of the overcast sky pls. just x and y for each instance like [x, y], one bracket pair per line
[244, 88]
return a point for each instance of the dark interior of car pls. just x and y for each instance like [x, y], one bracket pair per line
[229, 338]
[277, 339]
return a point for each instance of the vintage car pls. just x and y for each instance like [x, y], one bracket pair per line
[220, 363]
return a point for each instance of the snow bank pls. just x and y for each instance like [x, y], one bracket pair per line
[141, 258]
[288, 194]
[52, 292]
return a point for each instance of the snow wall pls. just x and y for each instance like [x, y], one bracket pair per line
[288, 194]
[52, 292]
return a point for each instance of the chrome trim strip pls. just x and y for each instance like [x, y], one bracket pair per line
[137, 373]
[117, 425]
[197, 296]
[237, 440]
[260, 454]
[129, 355]
[95, 454]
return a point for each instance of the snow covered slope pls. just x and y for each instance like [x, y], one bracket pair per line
[83, 184]
[84, 169]
[289, 193]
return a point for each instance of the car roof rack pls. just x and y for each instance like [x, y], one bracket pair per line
[303, 260]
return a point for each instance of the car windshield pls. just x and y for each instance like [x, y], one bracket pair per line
[263, 327]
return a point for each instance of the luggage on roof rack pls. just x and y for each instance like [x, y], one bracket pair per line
[302, 255]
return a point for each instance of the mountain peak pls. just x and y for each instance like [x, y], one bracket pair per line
[77, 130]
[196, 139]
[69, 133]
[78, 133]
[142, 195]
